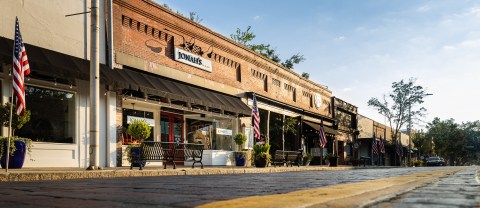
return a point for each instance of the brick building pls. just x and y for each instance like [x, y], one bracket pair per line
[187, 78]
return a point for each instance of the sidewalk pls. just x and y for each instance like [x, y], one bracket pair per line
[33, 174]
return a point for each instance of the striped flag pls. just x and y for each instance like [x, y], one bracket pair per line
[20, 70]
[381, 146]
[256, 119]
[322, 137]
[374, 145]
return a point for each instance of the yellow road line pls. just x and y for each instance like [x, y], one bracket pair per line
[343, 195]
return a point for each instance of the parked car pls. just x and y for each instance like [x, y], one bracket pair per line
[435, 161]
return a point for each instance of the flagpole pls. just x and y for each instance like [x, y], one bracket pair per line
[9, 126]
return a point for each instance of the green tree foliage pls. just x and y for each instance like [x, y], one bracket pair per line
[472, 135]
[404, 98]
[17, 121]
[246, 37]
[305, 75]
[457, 142]
[243, 37]
[194, 17]
[295, 59]
[448, 137]
[139, 129]
[423, 143]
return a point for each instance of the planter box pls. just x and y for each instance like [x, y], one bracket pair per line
[216, 158]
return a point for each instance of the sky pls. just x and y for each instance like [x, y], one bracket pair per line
[359, 48]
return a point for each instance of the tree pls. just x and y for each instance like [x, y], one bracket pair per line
[404, 97]
[194, 17]
[305, 75]
[423, 143]
[448, 137]
[166, 6]
[295, 59]
[243, 37]
[266, 51]
[246, 37]
[471, 131]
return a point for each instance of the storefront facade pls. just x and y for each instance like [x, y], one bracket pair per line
[345, 116]
[57, 88]
[209, 80]
[189, 83]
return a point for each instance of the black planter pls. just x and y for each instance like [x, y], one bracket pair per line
[135, 153]
[260, 162]
[333, 161]
[240, 158]
[15, 161]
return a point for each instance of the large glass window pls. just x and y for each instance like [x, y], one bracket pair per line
[223, 139]
[52, 115]
[131, 114]
[200, 132]
[215, 134]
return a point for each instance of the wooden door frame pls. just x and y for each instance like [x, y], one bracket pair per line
[171, 121]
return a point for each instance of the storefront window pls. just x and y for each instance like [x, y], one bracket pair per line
[130, 114]
[52, 115]
[199, 132]
[223, 139]
[215, 134]
[164, 128]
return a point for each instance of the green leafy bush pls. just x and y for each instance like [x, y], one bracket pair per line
[139, 129]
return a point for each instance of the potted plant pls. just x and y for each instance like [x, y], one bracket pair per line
[307, 158]
[240, 156]
[138, 130]
[261, 156]
[18, 146]
[331, 159]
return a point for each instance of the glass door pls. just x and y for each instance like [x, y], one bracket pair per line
[171, 126]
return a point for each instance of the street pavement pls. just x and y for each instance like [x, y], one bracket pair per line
[460, 189]
[367, 187]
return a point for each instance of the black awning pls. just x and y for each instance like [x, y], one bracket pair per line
[47, 62]
[164, 87]
[327, 129]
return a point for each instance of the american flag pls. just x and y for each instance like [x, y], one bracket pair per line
[374, 145]
[322, 136]
[20, 70]
[381, 146]
[256, 119]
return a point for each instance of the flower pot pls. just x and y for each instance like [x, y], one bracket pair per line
[240, 158]
[135, 152]
[260, 162]
[333, 161]
[15, 161]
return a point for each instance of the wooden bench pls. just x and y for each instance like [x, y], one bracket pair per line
[169, 152]
[286, 157]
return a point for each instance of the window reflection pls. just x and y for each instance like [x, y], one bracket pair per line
[52, 115]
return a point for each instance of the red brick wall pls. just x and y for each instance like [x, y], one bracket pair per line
[166, 30]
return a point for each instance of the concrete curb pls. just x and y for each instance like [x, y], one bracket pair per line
[37, 174]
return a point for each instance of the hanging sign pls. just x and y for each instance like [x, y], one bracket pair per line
[193, 60]
[227, 132]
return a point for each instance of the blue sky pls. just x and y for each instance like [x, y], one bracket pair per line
[358, 48]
